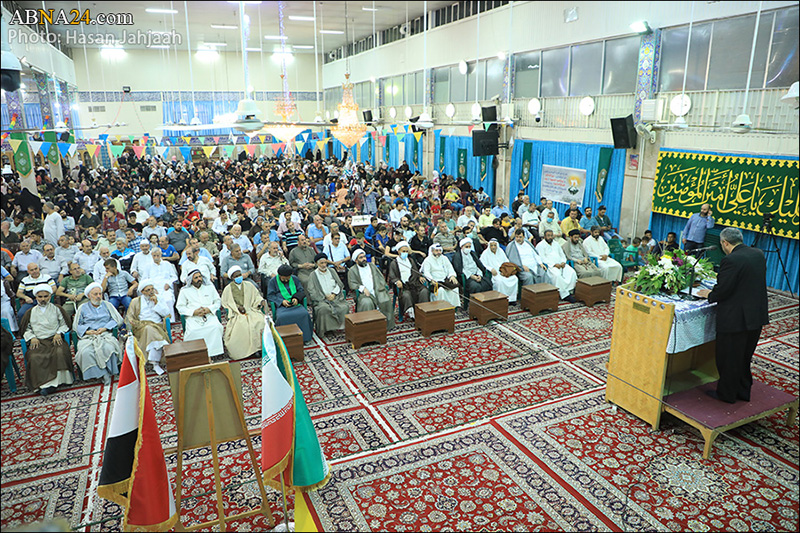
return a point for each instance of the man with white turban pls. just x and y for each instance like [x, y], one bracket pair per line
[48, 356]
[163, 275]
[326, 292]
[595, 245]
[199, 301]
[370, 288]
[559, 273]
[438, 269]
[245, 316]
[98, 348]
[493, 258]
[146, 320]
[405, 276]
[466, 263]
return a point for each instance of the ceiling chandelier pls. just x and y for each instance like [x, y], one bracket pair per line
[348, 130]
[285, 106]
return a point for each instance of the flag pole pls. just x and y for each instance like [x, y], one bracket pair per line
[285, 513]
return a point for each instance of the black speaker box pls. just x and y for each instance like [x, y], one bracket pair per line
[489, 114]
[624, 132]
[485, 142]
[367, 116]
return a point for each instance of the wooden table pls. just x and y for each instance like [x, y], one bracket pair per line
[186, 354]
[367, 326]
[292, 337]
[592, 290]
[489, 305]
[538, 297]
[434, 316]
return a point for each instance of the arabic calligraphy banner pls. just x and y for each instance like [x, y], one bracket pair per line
[740, 190]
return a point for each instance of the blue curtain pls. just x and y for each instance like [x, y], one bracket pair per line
[370, 142]
[452, 146]
[206, 110]
[789, 248]
[574, 155]
[411, 145]
[391, 151]
[33, 116]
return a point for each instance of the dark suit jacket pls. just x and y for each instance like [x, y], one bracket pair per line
[458, 263]
[741, 291]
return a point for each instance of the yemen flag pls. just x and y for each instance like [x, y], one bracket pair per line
[134, 473]
[286, 423]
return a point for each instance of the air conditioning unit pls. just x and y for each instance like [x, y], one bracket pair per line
[652, 110]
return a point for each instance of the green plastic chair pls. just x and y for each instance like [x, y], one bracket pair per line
[618, 252]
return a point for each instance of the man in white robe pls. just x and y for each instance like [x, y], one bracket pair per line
[524, 255]
[53, 227]
[195, 261]
[145, 319]
[141, 260]
[199, 303]
[492, 257]
[163, 275]
[437, 268]
[559, 273]
[595, 245]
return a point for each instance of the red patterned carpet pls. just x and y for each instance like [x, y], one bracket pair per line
[502, 427]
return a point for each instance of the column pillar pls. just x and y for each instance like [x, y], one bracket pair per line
[647, 72]
[16, 104]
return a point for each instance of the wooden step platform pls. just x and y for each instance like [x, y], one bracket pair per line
[712, 417]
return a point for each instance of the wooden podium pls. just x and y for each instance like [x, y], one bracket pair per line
[646, 380]
[640, 371]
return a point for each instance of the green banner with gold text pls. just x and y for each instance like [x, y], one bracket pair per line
[740, 190]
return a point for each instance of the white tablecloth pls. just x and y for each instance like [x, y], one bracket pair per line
[695, 323]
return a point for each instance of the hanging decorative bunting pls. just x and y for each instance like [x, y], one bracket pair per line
[15, 143]
[138, 150]
[278, 147]
[209, 150]
[63, 148]
[186, 152]
[72, 149]
[116, 149]
[470, 128]
[362, 140]
[227, 150]
[158, 139]
[251, 148]
[450, 130]
[321, 145]
[92, 149]
[418, 135]
[216, 140]
[162, 151]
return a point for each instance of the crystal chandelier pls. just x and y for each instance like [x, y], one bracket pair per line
[348, 130]
[285, 106]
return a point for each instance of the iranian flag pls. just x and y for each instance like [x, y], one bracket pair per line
[289, 442]
[277, 411]
[134, 473]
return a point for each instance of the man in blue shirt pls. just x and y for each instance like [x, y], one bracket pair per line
[694, 233]
[500, 208]
[586, 221]
[371, 230]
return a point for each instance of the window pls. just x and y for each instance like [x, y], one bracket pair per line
[621, 65]
[586, 68]
[441, 85]
[526, 74]
[673, 56]
[555, 72]
[420, 89]
[731, 43]
[494, 77]
[458, 85]
[782, 66]
[476, 73]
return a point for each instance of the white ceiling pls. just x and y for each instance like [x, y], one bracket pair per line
[330, 16]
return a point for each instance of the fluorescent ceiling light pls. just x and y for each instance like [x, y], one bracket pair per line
[279, 57]
[332, 32]
[276, 37]
[301, 18]
[246, 2]
[253, 49]
[161, 11]
[369, 9]
[302, 46]
[161, 46]
[224, 27]
[216, 44]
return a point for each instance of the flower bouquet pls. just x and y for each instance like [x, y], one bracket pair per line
[671, 273]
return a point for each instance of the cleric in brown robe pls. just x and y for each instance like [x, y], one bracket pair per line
[49, 363]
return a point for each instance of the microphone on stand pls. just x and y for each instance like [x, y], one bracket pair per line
[698, 250]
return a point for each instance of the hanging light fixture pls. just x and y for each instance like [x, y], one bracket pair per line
[285, 106]
[348, 130]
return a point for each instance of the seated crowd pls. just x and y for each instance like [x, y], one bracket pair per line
[154, 242]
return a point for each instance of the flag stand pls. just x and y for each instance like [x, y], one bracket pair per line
[225, 422]
[286, 526]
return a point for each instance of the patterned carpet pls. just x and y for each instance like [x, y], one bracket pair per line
[500, 427]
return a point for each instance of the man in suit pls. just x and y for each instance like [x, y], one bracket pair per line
[741, 297]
